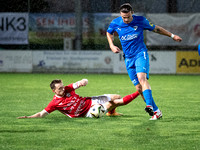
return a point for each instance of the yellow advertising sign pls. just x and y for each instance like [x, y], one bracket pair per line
[187, 62]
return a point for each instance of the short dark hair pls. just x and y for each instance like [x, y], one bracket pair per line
[52, 84]
[125, 8]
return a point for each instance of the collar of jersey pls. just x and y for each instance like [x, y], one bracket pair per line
[128, 23]
[58, 96]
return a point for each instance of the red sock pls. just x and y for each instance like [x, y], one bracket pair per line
[112, 111]
[128, 98]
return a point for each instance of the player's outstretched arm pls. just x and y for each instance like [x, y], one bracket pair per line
[114, 48]
[163, 31]
[80, 83]
[41, 114]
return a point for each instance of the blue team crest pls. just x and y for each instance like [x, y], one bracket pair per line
[151, 24]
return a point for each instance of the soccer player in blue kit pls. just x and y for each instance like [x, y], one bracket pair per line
[130, 30]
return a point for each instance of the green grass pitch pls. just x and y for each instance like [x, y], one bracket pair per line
[178, 96]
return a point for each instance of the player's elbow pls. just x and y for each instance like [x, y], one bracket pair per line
[157, 29]
[42, 114]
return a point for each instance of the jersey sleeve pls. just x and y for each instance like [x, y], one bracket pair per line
[50, 107]
[111, 28]
[148, 25]
[70, 87]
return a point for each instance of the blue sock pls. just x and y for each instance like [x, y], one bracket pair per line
[154, 105]
[149, 99]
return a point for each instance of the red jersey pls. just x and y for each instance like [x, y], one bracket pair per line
[72, 105]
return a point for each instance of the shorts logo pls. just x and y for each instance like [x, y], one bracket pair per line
[135, 27]
[134, 81]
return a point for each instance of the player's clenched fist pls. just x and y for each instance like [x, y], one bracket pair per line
[83, 82]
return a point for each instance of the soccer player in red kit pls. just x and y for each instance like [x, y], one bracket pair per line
[72, 105]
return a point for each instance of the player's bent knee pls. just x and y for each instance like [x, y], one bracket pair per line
[115, 96]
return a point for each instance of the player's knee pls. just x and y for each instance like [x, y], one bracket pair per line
[118, 96]
[115, 96]
[142, 78]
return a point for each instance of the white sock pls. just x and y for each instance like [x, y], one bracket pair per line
[158, 110]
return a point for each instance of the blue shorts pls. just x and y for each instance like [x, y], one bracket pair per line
[136, 65]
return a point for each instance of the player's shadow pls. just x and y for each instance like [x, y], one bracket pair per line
[62, 119]
[21, 131]
[127, 118]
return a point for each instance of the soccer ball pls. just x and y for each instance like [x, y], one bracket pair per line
[97, 110]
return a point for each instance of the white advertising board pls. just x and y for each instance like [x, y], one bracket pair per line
[119, 64]
[160, 63]
[72, 61]
[13, 28]
[15, 61]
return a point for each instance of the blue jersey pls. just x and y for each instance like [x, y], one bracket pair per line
[131, 34]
